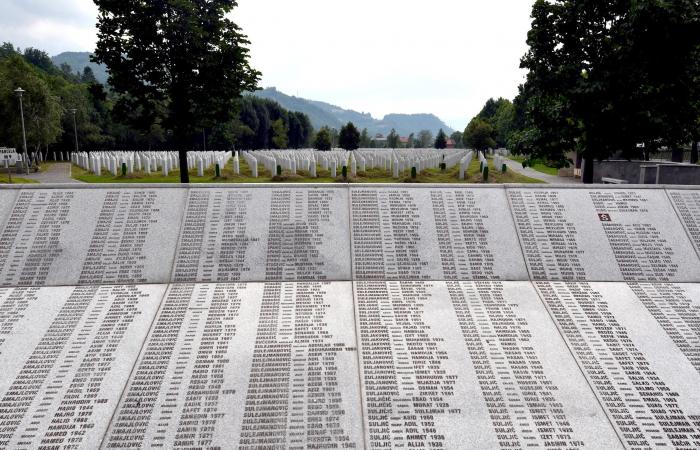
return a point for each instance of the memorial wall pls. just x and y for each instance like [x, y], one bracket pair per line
[361, 316]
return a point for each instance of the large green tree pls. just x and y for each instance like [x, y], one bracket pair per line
[183, 54]
[42, 107]
[607, 75]
[478, 135]
[349, 138]
[323, 139]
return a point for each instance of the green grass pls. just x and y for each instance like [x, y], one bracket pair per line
[536, 165]
[4, 179]
[323, 176]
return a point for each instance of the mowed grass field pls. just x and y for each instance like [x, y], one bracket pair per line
[323, 176]
[4, 179]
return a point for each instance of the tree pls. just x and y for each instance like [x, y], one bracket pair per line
[42, 108]
[457, 137]
[425, 139]
[7, 49]
[607, 75]
[88, 76]
[38, 58]
[478, 134]
[441, 140]
[184, 54]
[392, 141]
[279, 134]
[323, 139]
[349, 138]
[365, 139]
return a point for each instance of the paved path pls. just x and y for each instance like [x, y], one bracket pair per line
[56, 173]
[532, 173]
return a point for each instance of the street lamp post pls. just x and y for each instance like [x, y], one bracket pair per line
[75, 129]
[19, 92]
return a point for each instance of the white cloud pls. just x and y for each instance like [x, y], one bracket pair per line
[445, 57]
[51, 25]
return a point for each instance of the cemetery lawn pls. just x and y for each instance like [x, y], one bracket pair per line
[16, 180]
[323, 176]
[537, 165]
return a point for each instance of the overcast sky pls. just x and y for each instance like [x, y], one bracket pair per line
[445, 57]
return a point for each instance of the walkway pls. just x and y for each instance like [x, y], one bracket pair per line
[532, 173]
[56, 173]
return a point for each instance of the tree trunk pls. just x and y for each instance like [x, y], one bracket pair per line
[184, 170]
[677, 155]
[587, 176]
[694, 153]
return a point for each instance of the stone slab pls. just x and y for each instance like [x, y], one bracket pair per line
[66, 354]
[602, 235]
[246, 366]
[687, 205]
[435, 233]
[63, 237]
[7, 201]
[476, 365]
[638, 346]
[264, 234]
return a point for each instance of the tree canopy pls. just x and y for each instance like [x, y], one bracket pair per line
[60, 90]
[605, 76]
[441, 140]
[183, 62]
[478, 135]
[349, 138]
[323, 139]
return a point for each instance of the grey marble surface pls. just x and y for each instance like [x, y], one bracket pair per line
[264, 234]
[602, 235]
[427, 334]
[638, 347]
[470, 365]
[7, 200]
[270, 365]
[687, 205]
[88, 237]
[66, 354]
[446, 233]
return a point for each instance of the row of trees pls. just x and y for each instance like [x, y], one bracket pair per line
[52, 92]
[350, 138]
[605, 78]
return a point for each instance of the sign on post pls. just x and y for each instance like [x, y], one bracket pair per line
[8, 156]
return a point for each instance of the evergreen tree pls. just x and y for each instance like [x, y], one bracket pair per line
[323, 139]
[365, 139]
[441, 140]
[279, 134]
[392, 141]
[349, 138]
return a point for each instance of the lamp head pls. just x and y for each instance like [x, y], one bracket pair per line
[20, 91]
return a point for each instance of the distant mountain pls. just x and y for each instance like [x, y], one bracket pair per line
[321, 113]
[78, 61]
[325, 114]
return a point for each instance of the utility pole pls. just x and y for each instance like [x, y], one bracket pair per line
[75, 128]
[19, 92]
